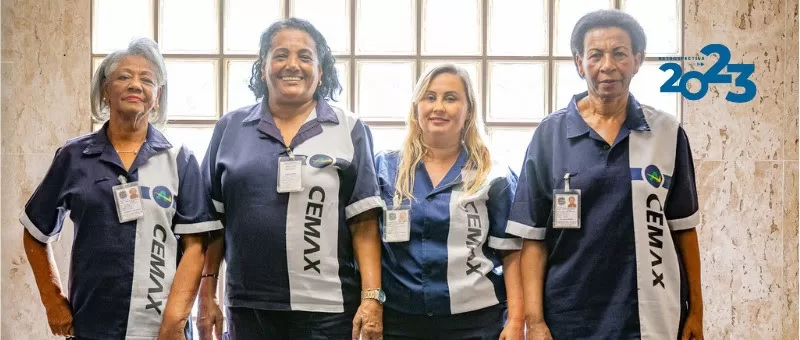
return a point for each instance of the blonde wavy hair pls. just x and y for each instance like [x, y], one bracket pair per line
[414, 147]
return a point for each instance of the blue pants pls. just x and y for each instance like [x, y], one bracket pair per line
[247, 323]
[482, 324]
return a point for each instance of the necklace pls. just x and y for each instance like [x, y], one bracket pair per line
[133, 152]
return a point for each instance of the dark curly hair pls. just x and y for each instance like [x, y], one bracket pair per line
[330, 81]
[608, 18]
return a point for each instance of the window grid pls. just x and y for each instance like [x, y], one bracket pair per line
[352, 58]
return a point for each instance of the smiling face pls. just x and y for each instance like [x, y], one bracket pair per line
[443, 109]
[608, 63]
[291, 68]
[131, 89]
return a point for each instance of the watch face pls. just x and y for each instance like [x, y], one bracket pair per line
[381, 296]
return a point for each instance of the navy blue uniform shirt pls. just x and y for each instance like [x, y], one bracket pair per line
[451, 263]
[590, 288]
[120, 273]
[291, 251]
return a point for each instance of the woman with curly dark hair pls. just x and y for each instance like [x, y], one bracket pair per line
[292, 179]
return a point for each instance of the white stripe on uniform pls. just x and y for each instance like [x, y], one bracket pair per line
[657, 269]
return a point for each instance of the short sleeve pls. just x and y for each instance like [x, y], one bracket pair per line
[501, 196]
[211, 174]
[46, 209]
[365, 194]
[682, 207]
[193, 210]
[531, 209]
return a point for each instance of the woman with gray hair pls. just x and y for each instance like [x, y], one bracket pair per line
[133, 199]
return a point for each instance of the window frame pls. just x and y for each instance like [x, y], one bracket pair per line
[351, 60]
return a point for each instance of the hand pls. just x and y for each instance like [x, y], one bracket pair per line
[514, 330]
[172, 331]
[539, 331]
[59, 316]
[693, 328]
[209, 319]
[368, 322]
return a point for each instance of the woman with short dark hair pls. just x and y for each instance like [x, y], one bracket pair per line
[623, 263]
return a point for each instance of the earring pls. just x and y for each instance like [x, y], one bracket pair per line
[320, 83]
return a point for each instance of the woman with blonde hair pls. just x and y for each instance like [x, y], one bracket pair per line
[444, 240]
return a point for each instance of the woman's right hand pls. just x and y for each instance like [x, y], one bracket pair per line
[59, 316]
[209, 319]
[538, 331]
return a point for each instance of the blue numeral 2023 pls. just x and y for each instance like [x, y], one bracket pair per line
[678, 80]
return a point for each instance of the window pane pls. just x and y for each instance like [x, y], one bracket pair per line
[192, 88]
[473, 68]
[567, 14]
[238, 93]
[508, 145]
[95, 64]
[516, 91]
[343, 99]
[384, 89]
[196, 138]
[510, 18]
[646, 87]
[113, 26]
[660, 22]
[451, 27]
[330, 17]
[568, 83]
[387, 138]
[246, 20]
[385, 27]
[189, 26]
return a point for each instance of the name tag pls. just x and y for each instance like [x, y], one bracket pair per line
[128, 199]
[290, 174]
[566, 209]
[397, 227]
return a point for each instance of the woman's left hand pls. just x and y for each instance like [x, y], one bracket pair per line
[514, 330]
[368, 323]
[693, 328]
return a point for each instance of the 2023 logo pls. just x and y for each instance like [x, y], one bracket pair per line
[712, 76]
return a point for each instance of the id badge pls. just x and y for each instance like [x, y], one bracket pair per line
[566, 207]
[128, 200]
[290, 174]
[396, 224]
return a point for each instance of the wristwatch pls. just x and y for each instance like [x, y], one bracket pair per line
[376, 294]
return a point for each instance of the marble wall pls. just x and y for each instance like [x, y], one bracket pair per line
[746, 156]
[746, 165]
[45, 76]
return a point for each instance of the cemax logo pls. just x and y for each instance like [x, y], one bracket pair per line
[678, 81]
[653, 176]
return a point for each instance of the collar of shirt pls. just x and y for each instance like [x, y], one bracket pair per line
[634, 119]
[452, 177]
[322, 113]
[154, 143]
